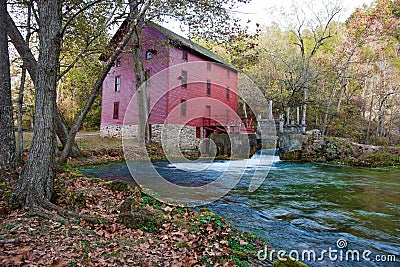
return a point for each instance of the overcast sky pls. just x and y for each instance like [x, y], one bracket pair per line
[265, 12]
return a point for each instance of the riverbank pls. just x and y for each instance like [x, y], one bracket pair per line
[150, 234]
[314, 148]
[135, 229]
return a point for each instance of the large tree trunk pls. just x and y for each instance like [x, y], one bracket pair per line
[30, 63]
[35, 184]
[7, 137]
[141, 92]
[20, 101]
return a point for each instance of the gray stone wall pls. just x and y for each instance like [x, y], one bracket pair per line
[245, 145]
[168, 135]
[110, 131]
[115, 131]
[175, 136]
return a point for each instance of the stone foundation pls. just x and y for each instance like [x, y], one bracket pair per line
[111, 131]
[245, 145]
[175, 136]
[168, 135]
[115, 131]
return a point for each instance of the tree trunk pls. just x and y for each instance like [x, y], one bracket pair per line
[94, 93]
[35, 184]
[62, 131]
[7, 137]
[31, 65]
[390, 127]
[370, 110]
[328, 106]
[141, 92]
[383, 122]
[20, 101]
[343, 85]
[304, 116]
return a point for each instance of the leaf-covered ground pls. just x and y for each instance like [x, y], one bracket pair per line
[178, 236]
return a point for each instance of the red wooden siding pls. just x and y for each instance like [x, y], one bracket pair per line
[204, 89]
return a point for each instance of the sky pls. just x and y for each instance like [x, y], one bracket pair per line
[264, 12]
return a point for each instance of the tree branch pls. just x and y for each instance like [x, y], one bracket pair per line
[77, 14]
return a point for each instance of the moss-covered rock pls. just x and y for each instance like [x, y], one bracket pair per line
[337, 150]
[139, 219]
[128, 205]
[118, 186]
[291, 156]
[134, 216]
[288, 262]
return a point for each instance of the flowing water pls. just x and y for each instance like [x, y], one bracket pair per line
[303, 206]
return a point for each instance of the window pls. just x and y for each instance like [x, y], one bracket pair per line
[116, 110]
[184, 55]
[227, 92]
[208, 87]
[184, 79]
[118, 63]
[183, 108]
[198, 132]
[147, 77]
[117, 84]
[208, 66]
[208, 114]
[228, 73]
[149, 54]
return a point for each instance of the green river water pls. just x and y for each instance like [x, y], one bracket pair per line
[304, 206]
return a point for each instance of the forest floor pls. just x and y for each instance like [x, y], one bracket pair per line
[161, 235]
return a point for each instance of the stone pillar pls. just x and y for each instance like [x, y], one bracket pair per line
[259, 117]
[270, 110]
[303, 120]
[288, 116]
[298, 115]
[281, 122]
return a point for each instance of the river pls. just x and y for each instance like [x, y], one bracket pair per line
[304, 208]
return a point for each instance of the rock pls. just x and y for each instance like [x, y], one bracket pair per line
[139, 218]
[331, 151]
[291, 142]
[288, 262]
[133, 216]
[241, 255]
[128, 205]
[315, 132]
[312, 148]
[118, 186]
[291, 156]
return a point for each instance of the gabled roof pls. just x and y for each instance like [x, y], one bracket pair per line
[177, 41]
[182, 42]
